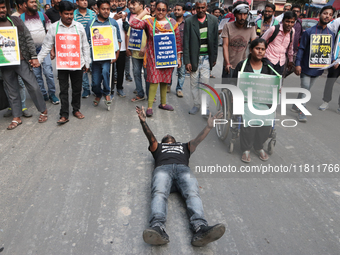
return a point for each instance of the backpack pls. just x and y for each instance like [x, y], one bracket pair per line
[41, 16]
[276, 32]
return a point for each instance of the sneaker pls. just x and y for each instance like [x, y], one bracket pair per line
[168, 88]
[86, 93]
[149, 113]
[302, 117]
[26, 113]
[8, 113]
[194, 110]
[155, 236]
[207, 234]
[121, 93]
[324, 106]
[294, 110]
[54, 99]
[128, 78]
[179, 93]
[166, 107]
[46, 97]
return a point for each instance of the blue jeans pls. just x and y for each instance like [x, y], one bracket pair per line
[166, 177]
[306, 83]
[202, 74]
[101, 73]
[137, 65]
[181, 76]
[48, 72]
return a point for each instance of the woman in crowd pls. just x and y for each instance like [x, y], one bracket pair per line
[158, 75]
[256, 134]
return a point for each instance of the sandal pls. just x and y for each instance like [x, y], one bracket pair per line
[246, 157]
[43, 117]
[13, 125]
[78, 115]
[149, 113]
[137, 98]
[62, 121]
[166, 107]
[96, 102]
[262, 154]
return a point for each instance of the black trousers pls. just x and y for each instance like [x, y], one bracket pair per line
[333, 74]
[254, 136]
[76, 85]
[120, 65]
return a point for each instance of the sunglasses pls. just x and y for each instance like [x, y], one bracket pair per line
[161, 10]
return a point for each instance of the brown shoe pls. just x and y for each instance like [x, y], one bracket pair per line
[78, 115]
[179, 93]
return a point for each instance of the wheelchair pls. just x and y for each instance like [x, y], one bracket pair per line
[222, 130]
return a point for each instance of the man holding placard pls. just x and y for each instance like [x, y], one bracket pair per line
[104, 51]
[16, 61]
[315, 52]
[136, 48]
[333, 73]
[72, 55]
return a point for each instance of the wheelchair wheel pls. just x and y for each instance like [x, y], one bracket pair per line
[271, 146]
[222, 130]
[231, 147]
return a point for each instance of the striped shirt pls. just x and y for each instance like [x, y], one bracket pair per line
[84, 19]
[204, 37]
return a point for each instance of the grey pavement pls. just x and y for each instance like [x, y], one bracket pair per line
[84, 188]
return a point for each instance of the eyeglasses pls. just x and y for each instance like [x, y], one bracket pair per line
[161, 10]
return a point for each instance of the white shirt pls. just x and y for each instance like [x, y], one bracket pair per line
[122, 32]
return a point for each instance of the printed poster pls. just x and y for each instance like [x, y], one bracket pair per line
[262, 85]
[9, 46]
[165, 50]
[135, 40]
[320, 54]
[102, 43]
[68, 52]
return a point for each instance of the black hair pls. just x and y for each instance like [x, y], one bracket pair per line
[3, 2]
[296, 6]
[91, 3]
[256, 42]
[230, 8]
[162, 2]
[21, 2]
[270, 5]
[152, 1]
[259, 12]
[166, 139]
[100, 2]
[238, 3]
[142, 2]
[289, 15]
[181, 5]
[326, 8]
[96, 29]
[65, 6]
[214, 9]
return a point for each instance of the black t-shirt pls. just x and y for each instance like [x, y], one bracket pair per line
[53, 14]
[171, 153]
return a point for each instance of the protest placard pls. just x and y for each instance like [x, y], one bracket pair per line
[262, 86]
[321, 46]
[102, 42]
[135, 40]
[9, 46]
[68, 52]
[165, 50]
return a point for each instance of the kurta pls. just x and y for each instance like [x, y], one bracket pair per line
[156, 75]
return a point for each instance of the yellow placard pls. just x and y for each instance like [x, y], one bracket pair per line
[102, 43]
[9, 46]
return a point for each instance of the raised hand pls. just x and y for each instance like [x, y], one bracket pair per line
[141, 113]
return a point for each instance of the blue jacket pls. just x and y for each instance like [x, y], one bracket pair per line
[302, 58]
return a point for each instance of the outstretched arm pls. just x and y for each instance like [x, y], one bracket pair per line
[210, 124]
[148, 133]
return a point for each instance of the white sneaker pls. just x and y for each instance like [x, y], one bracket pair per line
[324, 106]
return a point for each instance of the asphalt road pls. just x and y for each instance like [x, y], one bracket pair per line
[84, 188]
